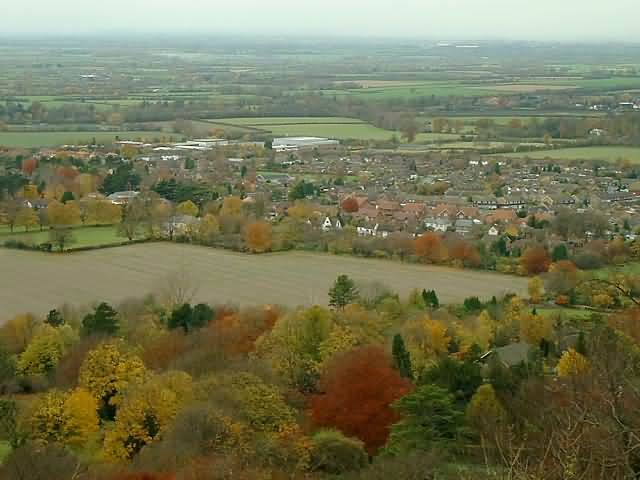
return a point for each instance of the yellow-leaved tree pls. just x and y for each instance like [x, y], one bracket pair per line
[107, 371]
[208, 229]
[66, 418]
[80, 412]
[533, 328]
[485, 412]
[187, 208]
[572, 364]
[426, 340]
[145, 411]
[45, 350]
[535, 287]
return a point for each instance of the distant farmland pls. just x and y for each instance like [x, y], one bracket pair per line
[610, 154]
[52, 139]
[36, 282]
[331, 127]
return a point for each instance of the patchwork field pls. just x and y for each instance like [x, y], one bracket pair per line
[36, 282]
[610, 154]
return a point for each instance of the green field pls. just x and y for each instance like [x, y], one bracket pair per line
[219, 276]
[609, 154]
[84, 236]
[262, 121]
[331, 127]
[52, 139]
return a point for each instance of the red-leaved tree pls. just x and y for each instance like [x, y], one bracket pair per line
[357, 390]
[536, 260]
[350, 205]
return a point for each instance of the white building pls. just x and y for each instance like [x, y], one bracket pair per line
[292, 144]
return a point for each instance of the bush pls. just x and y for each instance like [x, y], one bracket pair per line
[588, 261]
[336, 454]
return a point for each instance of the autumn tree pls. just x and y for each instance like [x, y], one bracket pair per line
[562, 277]
[106, 372]
[66, 418]
[103, 212]
[343, 292]
[27, 218]
[535, 288]
[231, 206]
[209, 229]
[145, 412]
[485, 411]
[572, 364]
[134, 217]
[258, 237]
[187, 208]
[357, 391]
[297, 346]
[535, 260]
[430, 248]
[45, 350]
[29, 165]
[350, 205]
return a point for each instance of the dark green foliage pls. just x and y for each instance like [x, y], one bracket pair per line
[499, 247]
[123, 178]
[179, 192]
[343, 292]
[103, 321]
[11, 184]
[54, 318]
[430, 299]
[429, 419]
[9, 422]
[581, 344]
[302, 190]
[335, 454]
[189, 164]
[67, 197]
[559, 253]
[7, 370]
[460, 378]
[401, 357]
[190, 318]
[473, 304]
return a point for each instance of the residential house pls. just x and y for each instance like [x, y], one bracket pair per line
[331, 224]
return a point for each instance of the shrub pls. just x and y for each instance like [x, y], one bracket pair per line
[336, 454]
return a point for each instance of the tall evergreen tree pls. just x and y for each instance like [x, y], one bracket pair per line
[103, 320]
[402, 357]
[343, 292]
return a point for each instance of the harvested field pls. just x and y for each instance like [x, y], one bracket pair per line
[37, 282]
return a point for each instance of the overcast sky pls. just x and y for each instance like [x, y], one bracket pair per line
[567, 20]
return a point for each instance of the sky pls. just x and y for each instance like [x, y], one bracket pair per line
[550, 20]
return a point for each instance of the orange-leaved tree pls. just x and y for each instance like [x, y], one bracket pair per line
[535, 260]
[258, 237]
[356, 393]
[429, 247]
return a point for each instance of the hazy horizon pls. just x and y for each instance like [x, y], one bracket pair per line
[546, 20]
